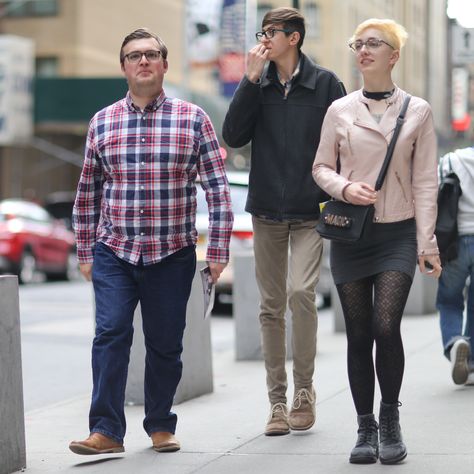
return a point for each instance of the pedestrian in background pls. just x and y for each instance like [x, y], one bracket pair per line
[456, 285]
[373, 277]
[279, 108]
[134, 218]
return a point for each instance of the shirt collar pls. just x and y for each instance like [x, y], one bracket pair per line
[307, 73]
[151, 107]
[295, 73]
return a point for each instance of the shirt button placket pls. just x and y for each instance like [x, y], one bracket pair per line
[142, 172]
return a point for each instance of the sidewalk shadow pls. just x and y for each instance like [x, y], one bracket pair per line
[97, 461]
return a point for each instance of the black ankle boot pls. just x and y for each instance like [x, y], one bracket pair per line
[366, 450]
[392, 448]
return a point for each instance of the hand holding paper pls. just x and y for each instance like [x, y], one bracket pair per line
[208, 289]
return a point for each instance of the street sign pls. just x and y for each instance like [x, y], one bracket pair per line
[16, 89]
[460, 81]
[462, 45]
[461, 120]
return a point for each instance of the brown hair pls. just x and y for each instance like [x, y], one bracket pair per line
[140, 34]
[290, 18]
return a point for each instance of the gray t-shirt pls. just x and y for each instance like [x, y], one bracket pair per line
[462, 163]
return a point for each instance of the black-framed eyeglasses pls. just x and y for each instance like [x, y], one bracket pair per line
[151, 55]
[370, 44]
[270, 33]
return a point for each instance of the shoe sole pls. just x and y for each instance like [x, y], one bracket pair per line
[460, 366]
[366, 460]
[394, 460]
[276, 433]
[85, 450]
[301, 428]
[166, 449]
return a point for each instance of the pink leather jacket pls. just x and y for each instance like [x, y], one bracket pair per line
[411, 184]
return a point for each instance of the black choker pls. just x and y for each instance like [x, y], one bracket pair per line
[377, 95]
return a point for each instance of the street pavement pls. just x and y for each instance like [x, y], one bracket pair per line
[221, 433]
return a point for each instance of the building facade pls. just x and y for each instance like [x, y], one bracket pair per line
[77, 41]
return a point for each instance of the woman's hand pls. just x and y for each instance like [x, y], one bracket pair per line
[360, 193]
[430, 265]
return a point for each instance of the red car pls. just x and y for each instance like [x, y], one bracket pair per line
[34, 244]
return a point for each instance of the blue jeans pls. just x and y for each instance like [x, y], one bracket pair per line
[163, 291]
[451, 295]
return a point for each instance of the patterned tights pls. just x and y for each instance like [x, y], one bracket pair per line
[373, 309]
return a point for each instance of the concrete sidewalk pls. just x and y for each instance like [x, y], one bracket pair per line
[222, 432]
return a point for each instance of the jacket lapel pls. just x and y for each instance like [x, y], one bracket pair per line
[389, 119]
[307, 76]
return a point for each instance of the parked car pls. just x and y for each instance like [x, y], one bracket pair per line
[33, 244]
[242, 240]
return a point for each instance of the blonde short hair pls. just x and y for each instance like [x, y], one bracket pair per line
[394, 33]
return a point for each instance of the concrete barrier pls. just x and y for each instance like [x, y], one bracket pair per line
[248, 344]
[12, 419]
[339, 323]
[197, 354]
[422, 297]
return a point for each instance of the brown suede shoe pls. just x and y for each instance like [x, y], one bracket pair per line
[165, 442]
[303, 412]
[277, 424]
[96, 443]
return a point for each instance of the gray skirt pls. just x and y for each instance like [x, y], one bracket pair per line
[391, 247]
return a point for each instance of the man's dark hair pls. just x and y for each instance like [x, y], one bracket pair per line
[140, 34]
[290, 18]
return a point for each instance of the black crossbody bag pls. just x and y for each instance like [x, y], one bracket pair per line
[345, 222]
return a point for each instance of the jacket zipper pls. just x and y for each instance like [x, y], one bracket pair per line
[401, 186]
[349, 142]
[283, 188]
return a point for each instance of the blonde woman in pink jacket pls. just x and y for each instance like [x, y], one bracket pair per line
[373, 278]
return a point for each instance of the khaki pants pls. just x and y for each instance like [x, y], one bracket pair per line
[288, 250]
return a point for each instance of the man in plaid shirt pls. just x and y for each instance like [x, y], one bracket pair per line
[134, 219]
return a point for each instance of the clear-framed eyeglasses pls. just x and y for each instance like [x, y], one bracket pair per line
[152, 55]
[270, 33]
[370, 44]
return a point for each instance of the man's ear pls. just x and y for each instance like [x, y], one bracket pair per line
[295, 37]
[165, 64]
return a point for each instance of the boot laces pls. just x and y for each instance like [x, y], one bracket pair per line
[278, 410]
[390, 426]
[366, 429]
[302, 395]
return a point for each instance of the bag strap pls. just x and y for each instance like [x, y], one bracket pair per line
[391, 146]
[441, 164]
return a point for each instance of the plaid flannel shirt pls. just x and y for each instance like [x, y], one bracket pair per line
[137, 194]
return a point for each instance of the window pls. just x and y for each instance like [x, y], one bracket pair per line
[22, 8]
[47, 67]
[262, 9]
[312, 15]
